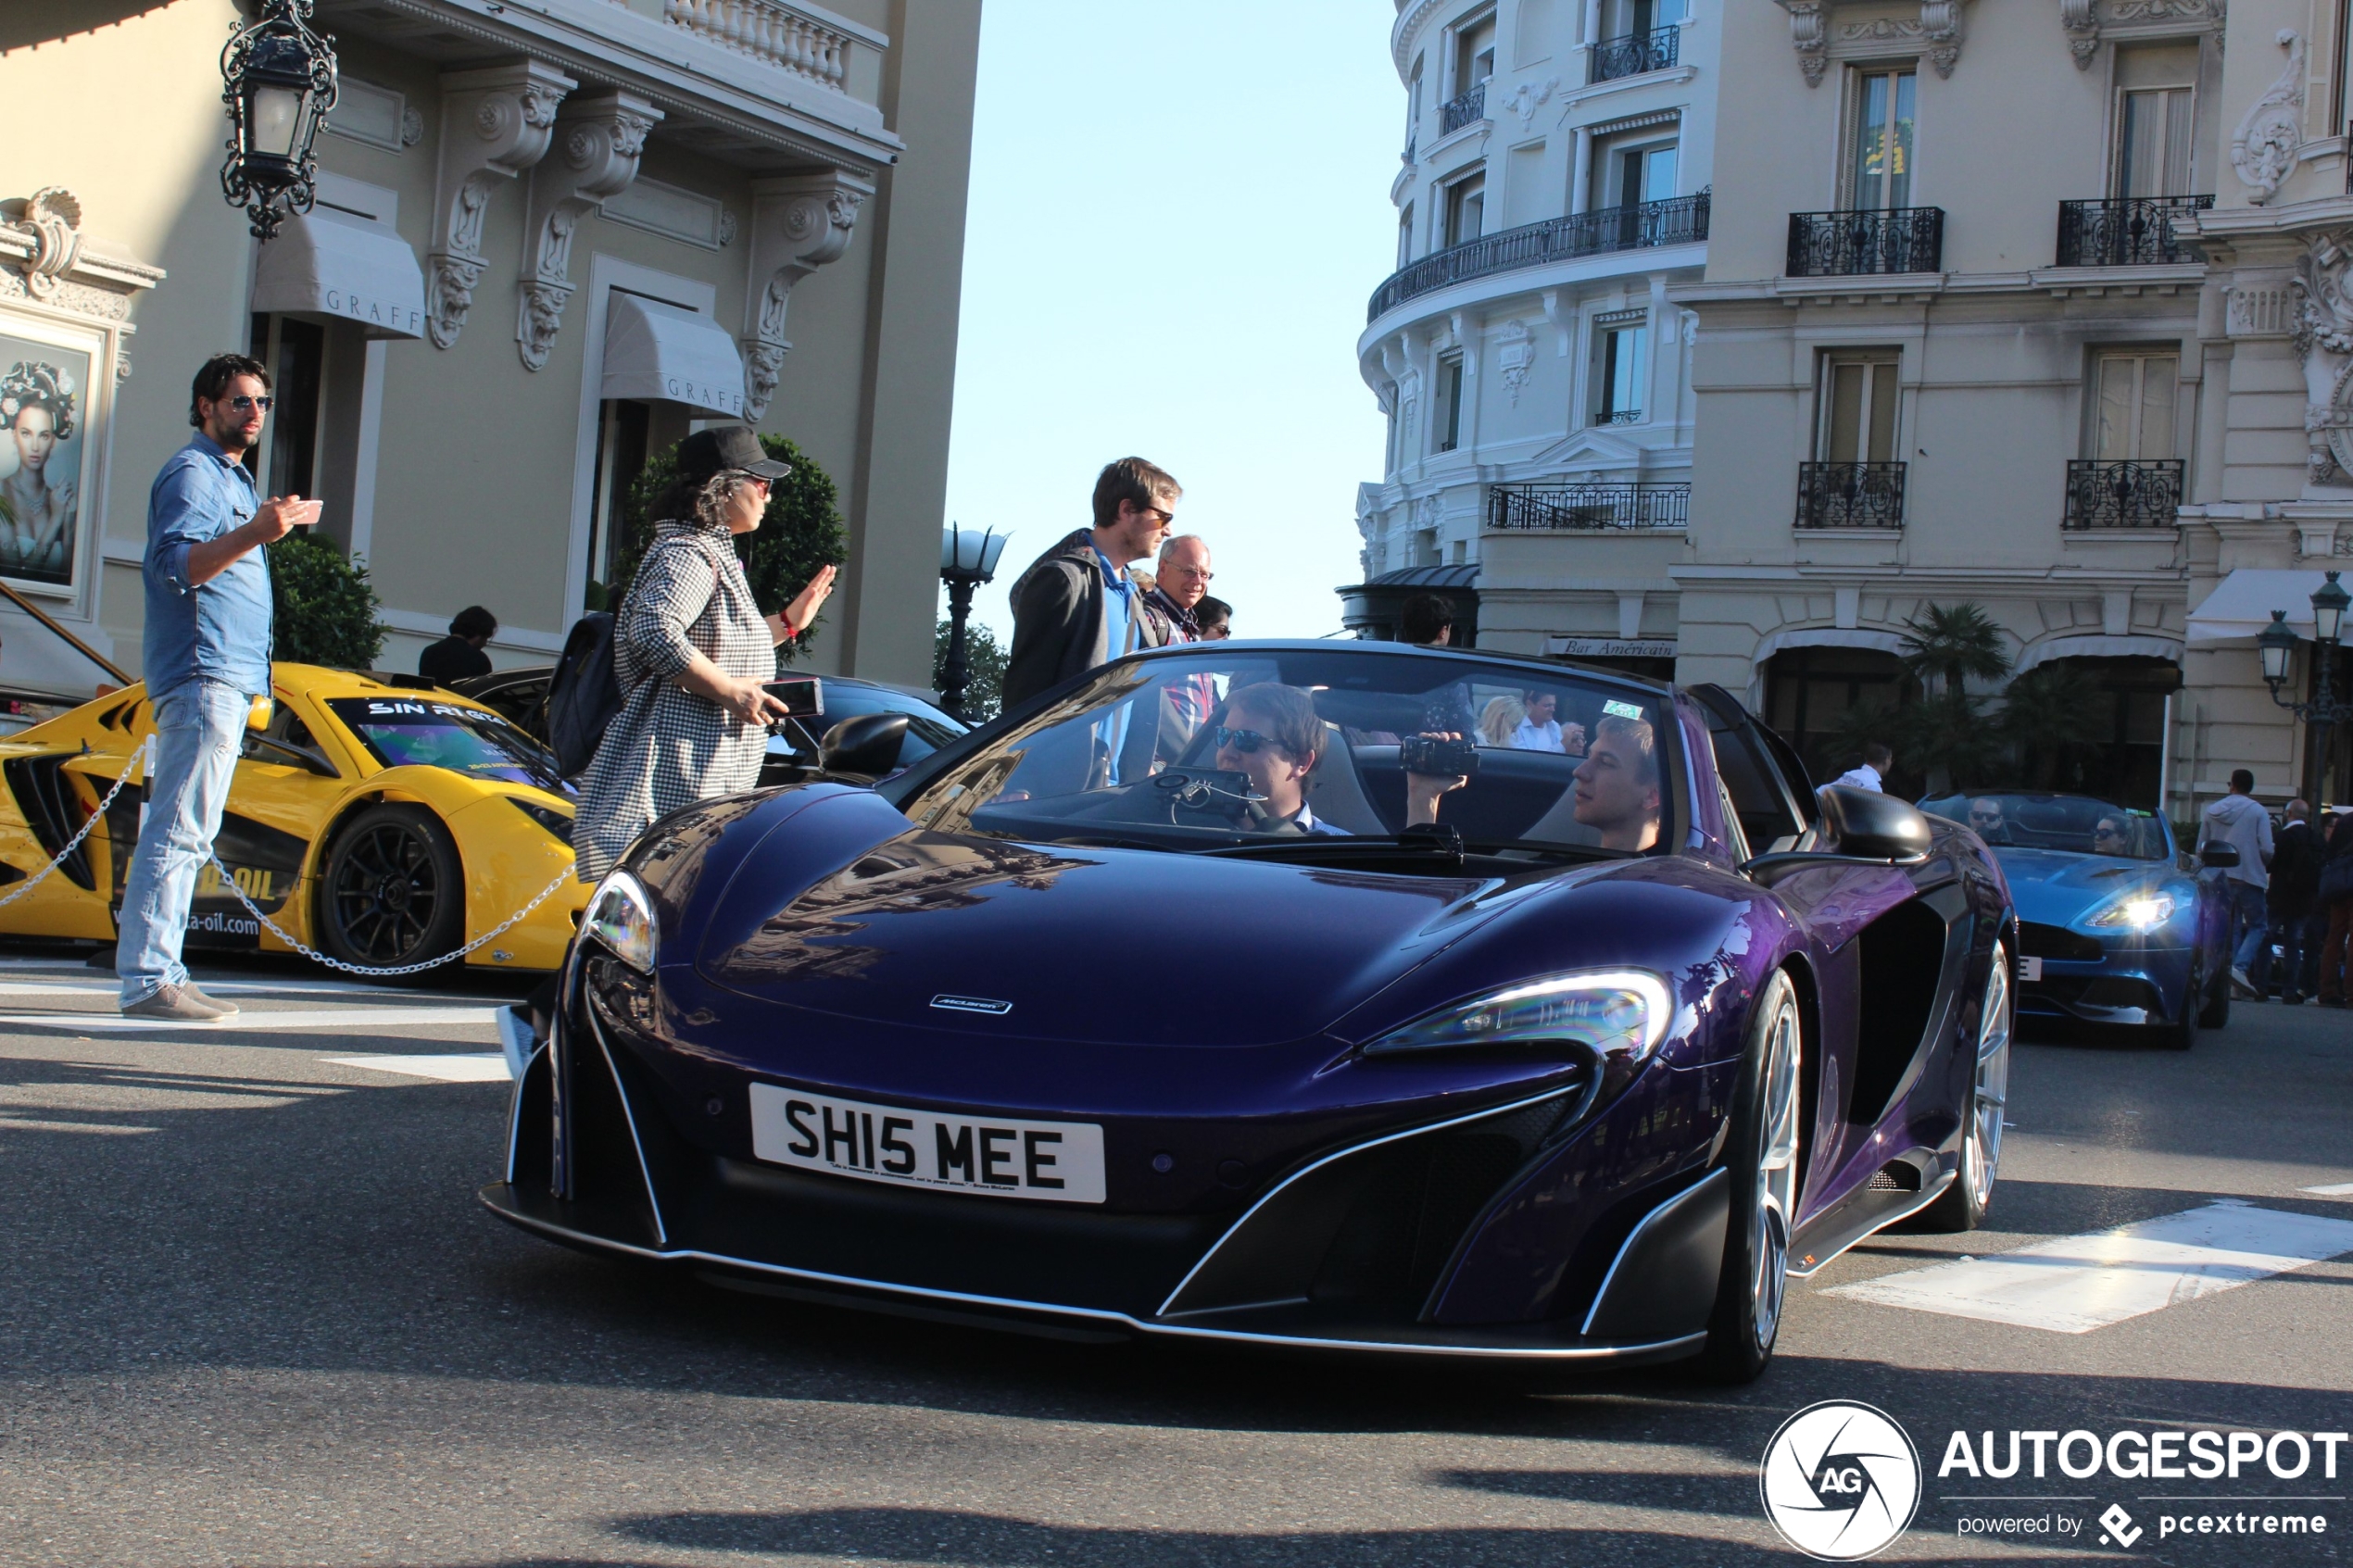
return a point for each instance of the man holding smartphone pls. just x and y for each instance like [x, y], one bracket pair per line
[206, 661]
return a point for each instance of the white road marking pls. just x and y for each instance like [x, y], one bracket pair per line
[461, 1069]
[2074, 1284]
[334, 1021]
[226, 987]
[2335, 1189]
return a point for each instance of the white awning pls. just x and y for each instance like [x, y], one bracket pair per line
[2240, 605]
[663, 354]
[327, 263]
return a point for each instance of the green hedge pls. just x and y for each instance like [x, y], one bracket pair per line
[324, 608]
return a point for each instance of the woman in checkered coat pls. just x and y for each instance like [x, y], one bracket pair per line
[691, 652]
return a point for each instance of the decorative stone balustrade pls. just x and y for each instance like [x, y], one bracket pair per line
[770, 31]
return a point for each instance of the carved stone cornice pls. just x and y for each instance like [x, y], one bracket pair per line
[2082, 19]
[599, 142]
[494, 124]
[798, 223]
[43, 259]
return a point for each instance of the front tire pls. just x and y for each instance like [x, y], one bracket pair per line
[2216, 1014]
[2197, 1006]
[1763, 1157]
[1963, 1205]
[394, 892]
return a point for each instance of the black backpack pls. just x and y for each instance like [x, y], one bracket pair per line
[584, 697]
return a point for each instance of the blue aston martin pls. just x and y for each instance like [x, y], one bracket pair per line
[2112, 928]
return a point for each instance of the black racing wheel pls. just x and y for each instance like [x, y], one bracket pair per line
[395, 892]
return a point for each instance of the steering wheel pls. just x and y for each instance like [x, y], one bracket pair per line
[1223, 797]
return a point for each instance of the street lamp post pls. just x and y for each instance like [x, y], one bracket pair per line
[967, 558]
[279, 81]
[2278, 644]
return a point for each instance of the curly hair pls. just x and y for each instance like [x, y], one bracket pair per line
[31, 383]
[719, 492]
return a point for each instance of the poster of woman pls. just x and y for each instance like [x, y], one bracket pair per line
[43, 414]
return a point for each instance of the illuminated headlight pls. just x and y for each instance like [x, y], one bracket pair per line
[620, 916]
[1616, 1012]
[2142, 911]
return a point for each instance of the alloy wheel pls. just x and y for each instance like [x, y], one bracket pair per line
[386, 892]
[1982, 1158]
[1775, 1215]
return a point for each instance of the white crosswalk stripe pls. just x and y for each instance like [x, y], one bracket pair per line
[459, 1068]
[2074, 1284]
[332, 1019]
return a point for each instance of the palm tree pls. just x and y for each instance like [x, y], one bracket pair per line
[2045, 721]
[1946, 646]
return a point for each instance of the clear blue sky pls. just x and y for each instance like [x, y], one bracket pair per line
[1178, 210]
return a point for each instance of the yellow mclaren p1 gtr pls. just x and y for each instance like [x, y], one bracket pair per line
[383, 823]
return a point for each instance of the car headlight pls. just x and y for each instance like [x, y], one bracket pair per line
[1616, 1012]
[620, 917]
[555, 822]
[2140, 911]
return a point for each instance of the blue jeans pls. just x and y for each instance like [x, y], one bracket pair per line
[2251, 918]
[200, 726]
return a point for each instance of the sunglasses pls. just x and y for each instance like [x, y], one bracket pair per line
[1245, 741]
[248, 405]
[2107, 832]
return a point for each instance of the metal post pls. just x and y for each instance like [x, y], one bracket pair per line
[2323, 716]
[957, 676]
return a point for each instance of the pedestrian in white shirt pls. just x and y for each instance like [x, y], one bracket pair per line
[1878, 762]
[1540, 731]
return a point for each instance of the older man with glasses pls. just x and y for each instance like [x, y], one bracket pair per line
[206, 656]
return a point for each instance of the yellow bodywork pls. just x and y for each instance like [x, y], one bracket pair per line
[72, 760]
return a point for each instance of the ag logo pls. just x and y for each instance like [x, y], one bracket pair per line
[1840, 1481]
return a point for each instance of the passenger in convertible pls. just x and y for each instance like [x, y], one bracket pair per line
[1272, 733]
[1617, 788]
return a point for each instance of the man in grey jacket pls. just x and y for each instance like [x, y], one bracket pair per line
[1076, 607]
[2240, 822]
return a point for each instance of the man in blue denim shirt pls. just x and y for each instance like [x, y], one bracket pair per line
[207, 658]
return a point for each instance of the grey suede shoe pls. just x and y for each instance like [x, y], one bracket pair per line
[183, 1003]
[195, 993]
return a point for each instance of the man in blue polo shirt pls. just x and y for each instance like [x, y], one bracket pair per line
[207, 660]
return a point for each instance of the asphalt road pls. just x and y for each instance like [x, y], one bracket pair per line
[251, 1314]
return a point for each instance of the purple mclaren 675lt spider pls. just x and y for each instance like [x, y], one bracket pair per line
[1333, 995]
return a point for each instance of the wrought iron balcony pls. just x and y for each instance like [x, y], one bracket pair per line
[1849, 495]
[2127, 231]
[1677, 221]
[1456, 113]
[1540, 506]
[1633, 53]
[2147, 493]
[1837, 244]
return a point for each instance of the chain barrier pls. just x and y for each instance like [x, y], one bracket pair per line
[144, 752]
[138, 754]
[512, 920]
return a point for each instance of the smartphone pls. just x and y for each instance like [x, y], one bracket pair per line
[803, 696]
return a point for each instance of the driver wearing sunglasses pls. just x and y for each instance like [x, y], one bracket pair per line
[1271, 733]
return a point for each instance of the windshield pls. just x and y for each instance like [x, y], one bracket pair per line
[1229, 745]
[407, 732]
[2078, 824]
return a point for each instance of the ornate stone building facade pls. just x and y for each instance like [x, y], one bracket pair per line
[550, 239]
[1535, 376]
[2089, 368]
